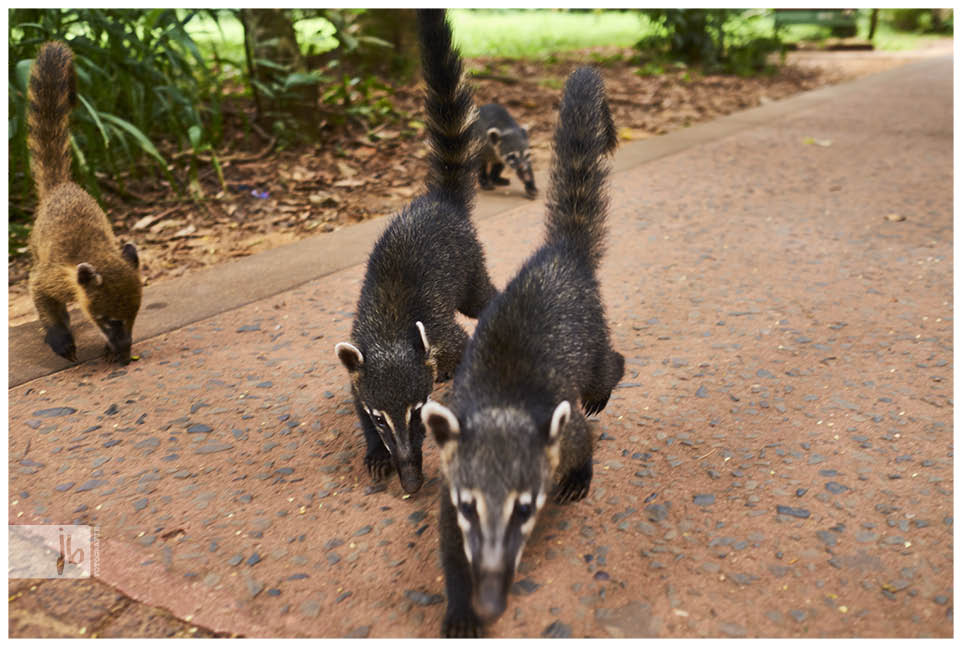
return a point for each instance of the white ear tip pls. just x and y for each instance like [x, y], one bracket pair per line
[432, 409]
[344, 346]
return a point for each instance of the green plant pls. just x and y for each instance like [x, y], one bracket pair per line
[140, 77]
[727, 40]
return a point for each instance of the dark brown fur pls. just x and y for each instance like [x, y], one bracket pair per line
[76, 257]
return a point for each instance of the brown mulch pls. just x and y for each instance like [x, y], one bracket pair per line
[351, 174]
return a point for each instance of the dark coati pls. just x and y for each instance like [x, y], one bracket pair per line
[427, 264]
[505, 142]
[75, 254]
[542, 344]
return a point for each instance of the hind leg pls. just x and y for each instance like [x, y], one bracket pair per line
[448, 349]
[480, 291]
[575, 470]
[608, 373]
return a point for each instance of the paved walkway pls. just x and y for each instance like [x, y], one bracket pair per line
[777, 461]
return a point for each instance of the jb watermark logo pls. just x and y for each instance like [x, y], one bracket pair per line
[52, 551]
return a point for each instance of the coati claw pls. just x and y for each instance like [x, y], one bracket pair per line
[61, 342]
[574, 486]
[591, 407]
[459, 625]
[379, 464]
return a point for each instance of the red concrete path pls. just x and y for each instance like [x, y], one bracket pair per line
[788, 348]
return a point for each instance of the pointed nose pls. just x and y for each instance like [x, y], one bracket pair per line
[491, 597]
[411, 477]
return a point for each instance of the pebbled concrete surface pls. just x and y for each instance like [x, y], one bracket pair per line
[777, 461]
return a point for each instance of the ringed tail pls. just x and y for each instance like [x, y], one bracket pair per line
[450, 109]
[52, 95]
[577, 200]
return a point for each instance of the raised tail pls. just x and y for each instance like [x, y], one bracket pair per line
[52, 95]
[450, 110]
[577, 199]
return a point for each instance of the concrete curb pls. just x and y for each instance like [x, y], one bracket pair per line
[176, 303]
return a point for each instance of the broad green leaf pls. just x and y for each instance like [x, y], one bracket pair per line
[142, 140]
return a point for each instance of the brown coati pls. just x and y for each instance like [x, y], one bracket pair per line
[541, 345]
[504, 142]
[427, 264]
[75, 254]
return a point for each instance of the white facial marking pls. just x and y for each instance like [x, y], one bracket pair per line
[424, 336]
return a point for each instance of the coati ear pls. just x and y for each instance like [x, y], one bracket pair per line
[524, 130]
[129, 253]
[560, 417]
[441, 422]
[424, 338]
[494, 135]
[87, 276]
[350, 356]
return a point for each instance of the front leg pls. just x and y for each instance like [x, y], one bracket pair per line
[377, 459]
[55, 319]
[496, 177]
[460, 620]
[483, 177]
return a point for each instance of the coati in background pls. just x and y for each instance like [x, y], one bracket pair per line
[505, 142]
[540, 345]
[427, 264]
[75, 254]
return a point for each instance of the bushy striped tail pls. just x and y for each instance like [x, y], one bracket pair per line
[52, 95]
[577, 199]
[450, 110]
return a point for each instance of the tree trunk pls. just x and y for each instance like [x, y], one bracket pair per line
[399, 28]
[269, 35]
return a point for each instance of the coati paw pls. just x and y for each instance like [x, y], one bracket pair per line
[61, 341]
[378, 463]
[574, 486]
[487, 185]
[461, 625]
[501, 181]
[592, 407]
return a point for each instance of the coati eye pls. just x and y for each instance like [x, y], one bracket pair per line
[379, 419]
[467, 508]
[523, 510]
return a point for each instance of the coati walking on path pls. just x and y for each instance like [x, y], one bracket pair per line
[427, 264]
[75, 254]
[540, 345]
[505, 142]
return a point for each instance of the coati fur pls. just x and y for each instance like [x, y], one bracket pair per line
[505, 142]
[75, 256]
[511, 427]
[427, 264]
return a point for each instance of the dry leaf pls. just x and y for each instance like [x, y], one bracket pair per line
[895, 217]
[349, 182]
[144, 222]
[185, 232]
[345, 169]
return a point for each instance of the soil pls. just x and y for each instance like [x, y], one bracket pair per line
[275, 196]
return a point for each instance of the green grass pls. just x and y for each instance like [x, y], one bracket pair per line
[526, 33]
[225, 36]
[537, 33]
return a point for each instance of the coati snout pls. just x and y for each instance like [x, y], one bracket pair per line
[391, 383]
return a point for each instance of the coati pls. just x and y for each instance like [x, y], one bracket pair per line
[541, 344]
[504, 141]
[427, 264]
[75, 254]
